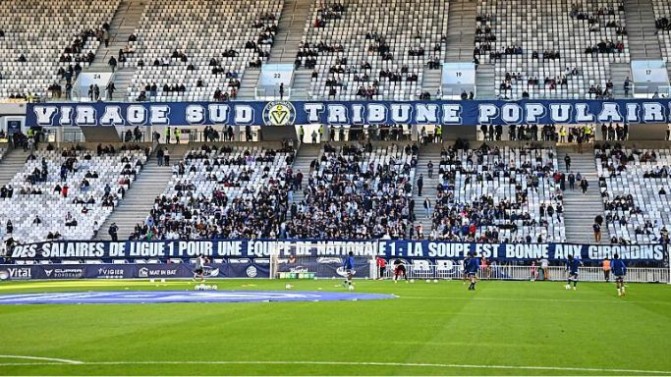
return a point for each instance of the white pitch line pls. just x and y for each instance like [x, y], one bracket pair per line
[341, 363]
[53, 359]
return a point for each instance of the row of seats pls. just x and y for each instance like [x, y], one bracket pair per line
[636, 192]
[357, 29]
[201, 31]
[662, 10]
[78, 188]
[40, 31]
[232, 192]
[498, 195]
[562, 27]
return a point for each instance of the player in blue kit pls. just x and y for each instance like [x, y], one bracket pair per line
[472, 270]
[348, 265]
[572, 266]
[464, 267]
[619, 270]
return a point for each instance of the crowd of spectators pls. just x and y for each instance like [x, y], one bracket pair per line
[226, 192]
[634, 190]
[357, 192]
[498, 195]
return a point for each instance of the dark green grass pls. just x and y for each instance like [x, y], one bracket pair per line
[513, 324]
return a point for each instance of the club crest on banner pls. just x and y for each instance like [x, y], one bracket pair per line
[279, 113]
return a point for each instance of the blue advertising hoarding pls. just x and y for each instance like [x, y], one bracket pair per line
[247, 269]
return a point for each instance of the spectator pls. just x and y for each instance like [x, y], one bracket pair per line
[113, 232]
[597, 232]
[584, 185]
[112, 63]
[110, 90]
[627, 85]
[159, 156]
[571, 181]
[427, 207]
[166, 157]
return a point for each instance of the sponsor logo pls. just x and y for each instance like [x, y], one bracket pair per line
[146, 272]
[143, 272]
[251, 271]
[212, 272]
[445, 266]
[329, 260]
[16, 273]
[279, 113]
[341, 271]
[110, 273]
[299, 269]
[64, 273]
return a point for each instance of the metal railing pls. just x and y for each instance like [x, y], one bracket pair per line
[269, 93]
[554, 273]
[649, 90]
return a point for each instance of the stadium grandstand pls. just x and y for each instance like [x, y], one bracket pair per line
[335, 187]
[449, 121]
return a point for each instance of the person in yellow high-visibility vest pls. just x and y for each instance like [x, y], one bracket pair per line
[178, 134]
[588, 133]
[438, 134]
[562, 134]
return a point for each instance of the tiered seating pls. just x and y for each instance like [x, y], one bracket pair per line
[662, 10]
[238, 192]
[499, 195]
[39, 191]
[563, 47]
[41, 31]
[349, 45]
[357, 193]
[178, 35]
[636, 193]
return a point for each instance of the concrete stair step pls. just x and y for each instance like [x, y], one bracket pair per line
[135, 207]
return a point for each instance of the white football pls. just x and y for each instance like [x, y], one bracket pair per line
[351, 288]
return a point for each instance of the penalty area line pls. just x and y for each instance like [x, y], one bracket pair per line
[61, 362]
[50, 360]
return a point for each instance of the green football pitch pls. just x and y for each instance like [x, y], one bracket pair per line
[503, 328]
